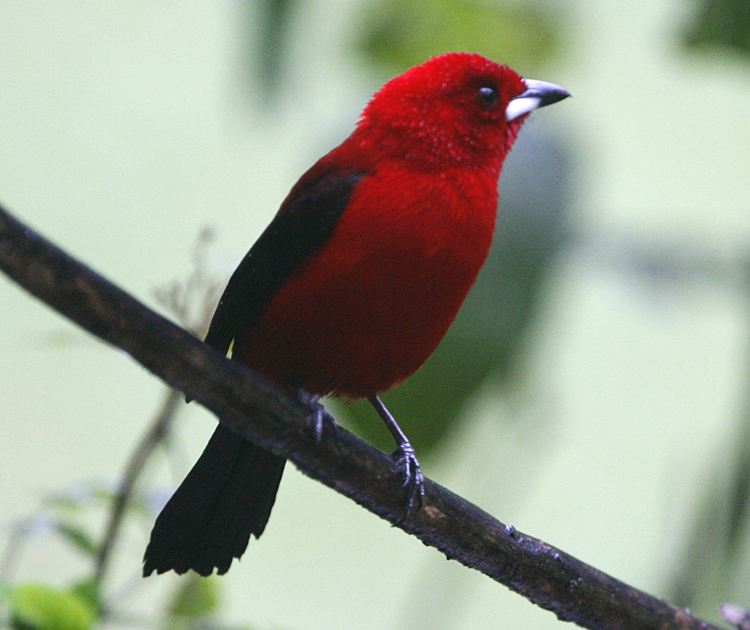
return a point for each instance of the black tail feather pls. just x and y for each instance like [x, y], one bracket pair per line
[226, 497]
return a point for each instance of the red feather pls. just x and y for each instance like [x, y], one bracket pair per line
[365, 312]
[355, 281]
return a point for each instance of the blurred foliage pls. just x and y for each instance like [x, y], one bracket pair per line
[711, 563]
[42, 607]
[66, 515]
[721, 23]
[87, 601]
[264, 58]
[717, 543]
[195, 597]
[714, 558]
[398, 35]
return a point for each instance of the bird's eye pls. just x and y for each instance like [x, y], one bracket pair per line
[487, 97]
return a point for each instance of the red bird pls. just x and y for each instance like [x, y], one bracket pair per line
[355, 281]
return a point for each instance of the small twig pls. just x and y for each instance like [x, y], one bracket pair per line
[264, 413]
[138, 459]
[201, 289]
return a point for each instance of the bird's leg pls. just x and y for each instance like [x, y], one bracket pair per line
[405, 457]
[319, 418]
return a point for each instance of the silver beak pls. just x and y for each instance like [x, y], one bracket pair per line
[537, 94]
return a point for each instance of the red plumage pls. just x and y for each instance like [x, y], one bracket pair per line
[366, 311]
[355, 281]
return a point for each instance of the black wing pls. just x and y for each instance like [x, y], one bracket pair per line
[229, 493]
[305, 221]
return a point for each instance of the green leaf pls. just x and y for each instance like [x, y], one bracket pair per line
[42, 607]
[195, 597]
[722, 24]
[400, 34]
[88, 591]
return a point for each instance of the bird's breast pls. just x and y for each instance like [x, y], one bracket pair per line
[368, 308]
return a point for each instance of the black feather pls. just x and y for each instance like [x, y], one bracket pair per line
[301, 226]
[226, 497]
[229, 493]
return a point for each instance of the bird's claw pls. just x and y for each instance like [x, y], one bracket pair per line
[319, 418]
[406, 462]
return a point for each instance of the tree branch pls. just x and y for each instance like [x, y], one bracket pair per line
[266, 414]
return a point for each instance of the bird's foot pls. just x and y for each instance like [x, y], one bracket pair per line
[405, 458]
[319, 419]
[406, 462]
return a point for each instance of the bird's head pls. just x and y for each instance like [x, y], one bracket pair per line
[455, 109]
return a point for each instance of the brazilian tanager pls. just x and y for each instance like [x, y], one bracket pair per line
[355, 281]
